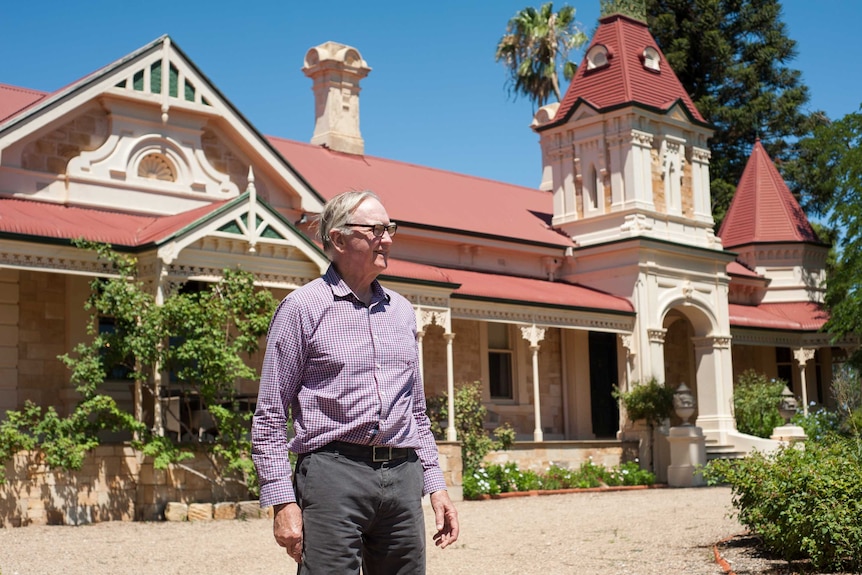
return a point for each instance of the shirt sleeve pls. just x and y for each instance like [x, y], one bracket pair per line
[432, 475]
[279, 381]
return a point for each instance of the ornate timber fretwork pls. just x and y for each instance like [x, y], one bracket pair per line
[803, 355]
[533, 334]
[426, 300]
[167, 77]
[185, 272]
[438, 317]
[784, 339]
[71, 263]
[463, 309]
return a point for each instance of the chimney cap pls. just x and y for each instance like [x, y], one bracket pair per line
[335, 53]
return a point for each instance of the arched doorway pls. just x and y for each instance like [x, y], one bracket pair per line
[679, 356]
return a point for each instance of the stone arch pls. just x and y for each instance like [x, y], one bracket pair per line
[689, 349]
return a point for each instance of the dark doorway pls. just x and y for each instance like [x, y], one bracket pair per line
[603, 377]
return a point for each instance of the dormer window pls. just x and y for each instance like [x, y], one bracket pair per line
[598, 57]
[651, 59]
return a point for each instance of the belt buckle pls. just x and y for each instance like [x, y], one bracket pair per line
[385, 453]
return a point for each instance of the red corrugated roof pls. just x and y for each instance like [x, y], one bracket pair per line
[795, 316]
[736, 268]
[428, 196]
[763, 209]
[625, 80]
[46, 220]
[14, 99]
[515, 289]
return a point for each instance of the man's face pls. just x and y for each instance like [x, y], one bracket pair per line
[359, 253]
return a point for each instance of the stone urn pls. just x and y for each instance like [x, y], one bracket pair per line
[788, 405]
[683, 403]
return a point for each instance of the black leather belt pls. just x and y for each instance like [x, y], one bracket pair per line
[374, 453]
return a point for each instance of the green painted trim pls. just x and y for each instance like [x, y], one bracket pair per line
[414, 281]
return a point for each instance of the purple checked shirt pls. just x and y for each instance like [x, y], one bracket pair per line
[348, 373]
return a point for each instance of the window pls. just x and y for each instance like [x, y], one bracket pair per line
[651, 59]
[598, 57]
[116, 367]
[499, 361]
[784, 365]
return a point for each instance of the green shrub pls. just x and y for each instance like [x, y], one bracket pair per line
[650, 401]
[495, 479]
[469, 425]
[801, 502]
[819, 424]
[755, 404]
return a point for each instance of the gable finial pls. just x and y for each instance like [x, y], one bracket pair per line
[251, 221]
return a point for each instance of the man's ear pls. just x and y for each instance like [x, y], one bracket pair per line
[337, 239]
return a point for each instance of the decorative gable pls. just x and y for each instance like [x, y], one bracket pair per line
[146, 134]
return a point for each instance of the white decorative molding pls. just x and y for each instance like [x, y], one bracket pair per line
[635, 223]
[465, 309]
[803, 355]
[687, 290]
[642, 138]
[656, 335]
[439, 317]
[628, 343]
[533, 334]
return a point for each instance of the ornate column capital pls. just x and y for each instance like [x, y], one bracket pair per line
[803, 355]
[533, 334]
[628, 341]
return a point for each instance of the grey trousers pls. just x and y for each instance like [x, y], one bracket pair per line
[360, 513]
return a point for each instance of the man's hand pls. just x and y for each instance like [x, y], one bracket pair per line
[445, 518]
[287, 529]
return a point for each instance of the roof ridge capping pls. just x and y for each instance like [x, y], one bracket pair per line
[618, 15]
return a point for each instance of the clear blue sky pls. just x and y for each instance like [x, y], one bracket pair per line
[435, 95]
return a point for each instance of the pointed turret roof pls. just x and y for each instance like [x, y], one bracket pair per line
[633, 71]
[763, 209]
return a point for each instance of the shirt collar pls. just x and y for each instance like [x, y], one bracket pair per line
[340, 289]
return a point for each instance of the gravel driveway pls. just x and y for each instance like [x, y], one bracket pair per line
[642, 532]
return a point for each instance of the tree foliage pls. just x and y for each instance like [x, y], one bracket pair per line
[469, 425]
[200, 337]
[536, 47]
[833, 151]
[756, 400]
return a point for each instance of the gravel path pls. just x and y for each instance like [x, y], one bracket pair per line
[641, 532]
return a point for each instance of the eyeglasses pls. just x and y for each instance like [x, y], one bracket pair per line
[377, 229]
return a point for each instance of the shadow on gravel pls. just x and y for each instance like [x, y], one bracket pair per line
[745, 555]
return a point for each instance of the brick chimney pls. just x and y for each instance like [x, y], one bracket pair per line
[335, 70]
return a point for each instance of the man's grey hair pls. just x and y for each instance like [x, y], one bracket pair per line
[337, 211]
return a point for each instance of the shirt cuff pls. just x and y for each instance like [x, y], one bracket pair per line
[433, 481]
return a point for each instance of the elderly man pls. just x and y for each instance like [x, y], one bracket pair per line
[341, 355]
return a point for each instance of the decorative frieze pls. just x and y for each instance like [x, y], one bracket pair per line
[462, 309]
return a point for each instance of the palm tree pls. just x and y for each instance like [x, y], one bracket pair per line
[534, 42]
